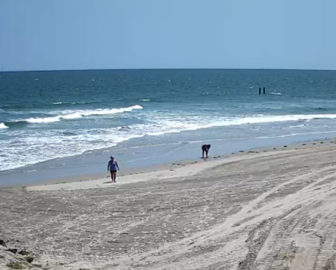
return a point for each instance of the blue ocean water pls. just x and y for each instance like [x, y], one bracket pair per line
[52, 115]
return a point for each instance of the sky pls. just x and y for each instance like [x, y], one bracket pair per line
[122, 34]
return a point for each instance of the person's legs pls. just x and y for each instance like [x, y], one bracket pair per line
[206, 153]
[114, 176]
[111, 173]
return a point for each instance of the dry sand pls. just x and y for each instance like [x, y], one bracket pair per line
[273, 209]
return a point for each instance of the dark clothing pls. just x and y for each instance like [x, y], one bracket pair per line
[112, 166]
[205, 150]
[206, 147]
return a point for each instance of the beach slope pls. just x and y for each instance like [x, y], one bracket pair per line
[266, 209]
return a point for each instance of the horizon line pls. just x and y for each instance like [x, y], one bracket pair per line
[123, 69]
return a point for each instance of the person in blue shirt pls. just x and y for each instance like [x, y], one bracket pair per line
[113, 166]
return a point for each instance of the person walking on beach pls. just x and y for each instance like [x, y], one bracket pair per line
[113, 166]
[205, 150]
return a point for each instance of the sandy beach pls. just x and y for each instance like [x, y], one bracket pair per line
[265, 209]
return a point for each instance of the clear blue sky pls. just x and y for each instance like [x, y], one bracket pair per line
[94, 34]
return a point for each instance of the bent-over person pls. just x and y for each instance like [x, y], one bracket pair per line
[205, 150]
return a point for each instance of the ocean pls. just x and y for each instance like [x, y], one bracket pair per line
[65, 123]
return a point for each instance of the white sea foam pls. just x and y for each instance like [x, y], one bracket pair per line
[171, 125]
[76, 114]
[42, 119]
[163, 126]
[3, 126]
[279, 118]
[48, 144]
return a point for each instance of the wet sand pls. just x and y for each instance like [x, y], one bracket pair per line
[263, 209]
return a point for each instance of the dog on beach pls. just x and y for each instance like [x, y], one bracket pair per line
[205, 150]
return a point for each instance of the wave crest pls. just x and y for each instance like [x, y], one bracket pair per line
[279, 118]
[71, 114]
[172, 126]
[3, 126]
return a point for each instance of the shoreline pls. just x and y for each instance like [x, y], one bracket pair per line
[38, 174]
[175, 169]
[165, 169]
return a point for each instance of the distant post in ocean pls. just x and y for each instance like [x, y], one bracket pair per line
[264, 91]
[259, 90]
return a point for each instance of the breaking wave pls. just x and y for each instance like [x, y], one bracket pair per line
[48, 144]
[3, 126]
[76, 114]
